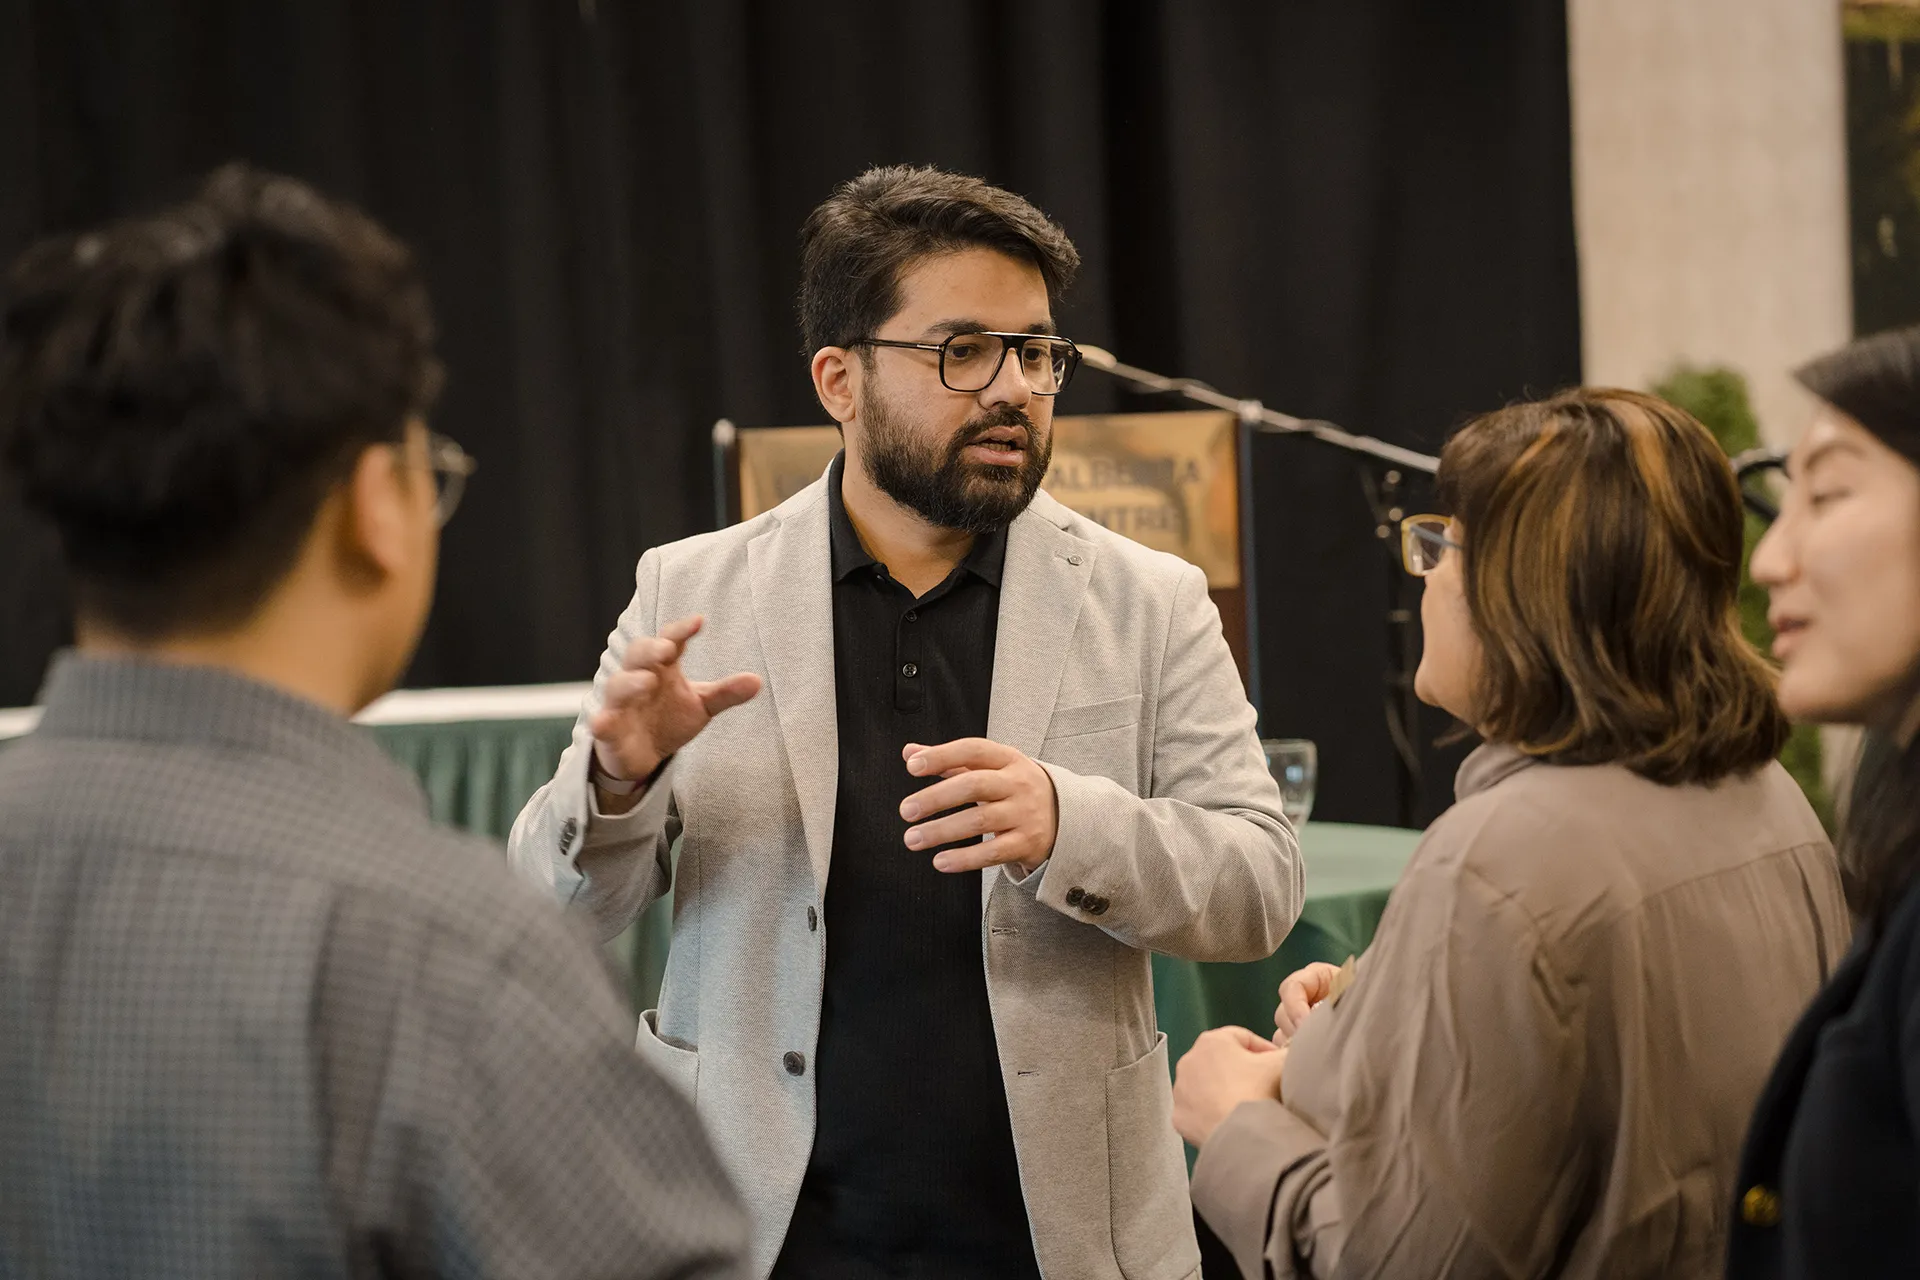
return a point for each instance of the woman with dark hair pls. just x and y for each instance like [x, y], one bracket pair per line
[1544, 1063]
[1830, 1179]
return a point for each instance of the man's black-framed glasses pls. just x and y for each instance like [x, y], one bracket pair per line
[1752, 469]
[451, 465]
[969, 362]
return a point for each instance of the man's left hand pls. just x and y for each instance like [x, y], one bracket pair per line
[1226, 1067]
[1006, 797]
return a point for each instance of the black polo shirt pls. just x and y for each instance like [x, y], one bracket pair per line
[913, 1170]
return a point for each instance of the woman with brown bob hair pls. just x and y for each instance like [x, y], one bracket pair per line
[1544, 1063]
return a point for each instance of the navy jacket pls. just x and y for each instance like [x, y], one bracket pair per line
[1830, 1178]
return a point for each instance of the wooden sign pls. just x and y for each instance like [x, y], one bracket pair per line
[1168, 480]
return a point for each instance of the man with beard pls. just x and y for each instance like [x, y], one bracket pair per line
[1017, 740]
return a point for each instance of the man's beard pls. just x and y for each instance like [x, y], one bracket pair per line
[937, 483]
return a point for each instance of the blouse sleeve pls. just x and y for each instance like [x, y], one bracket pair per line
[1429, 1110]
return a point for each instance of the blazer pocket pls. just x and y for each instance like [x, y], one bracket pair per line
[680, 1066]
[1094, 717]
[1099, 740]
[1147, 1172]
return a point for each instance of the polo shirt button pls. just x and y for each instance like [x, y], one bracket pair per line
[913, 615]
[813, 919]
[1076, 896]
[795, 1063]
[1760, 1207]
[910, 671]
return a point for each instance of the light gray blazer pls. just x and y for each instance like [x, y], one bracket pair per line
[1111, 670]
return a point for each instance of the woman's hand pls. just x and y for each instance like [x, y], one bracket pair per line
[1302, 990]
[1226, 1067]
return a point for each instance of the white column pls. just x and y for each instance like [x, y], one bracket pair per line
[1710, 190]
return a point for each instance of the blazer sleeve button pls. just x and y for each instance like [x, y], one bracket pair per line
[1076, 896]
[1097, 906]
[568, 830]
[1760, 1207]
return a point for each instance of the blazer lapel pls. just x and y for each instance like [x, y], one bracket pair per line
[1042, 589]
[1779, 1100]
[789, 569]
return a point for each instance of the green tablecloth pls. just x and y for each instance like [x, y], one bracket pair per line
[1349, 872]
[477, 774]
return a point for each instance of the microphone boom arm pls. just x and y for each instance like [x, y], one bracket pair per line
[1256, 415]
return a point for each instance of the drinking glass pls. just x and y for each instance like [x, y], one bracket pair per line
[1295, 765]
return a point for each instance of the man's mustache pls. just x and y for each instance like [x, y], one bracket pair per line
[1003, 417]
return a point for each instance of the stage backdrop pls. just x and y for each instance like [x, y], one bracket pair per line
[1359, 212]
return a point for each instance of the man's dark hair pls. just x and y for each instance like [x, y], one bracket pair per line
[855, 246]
[179, 392]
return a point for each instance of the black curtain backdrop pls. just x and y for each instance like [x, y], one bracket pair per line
[1359, 212]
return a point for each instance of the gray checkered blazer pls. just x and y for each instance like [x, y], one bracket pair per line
[258, 1017]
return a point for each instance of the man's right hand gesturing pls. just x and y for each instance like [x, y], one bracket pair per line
[649, 709]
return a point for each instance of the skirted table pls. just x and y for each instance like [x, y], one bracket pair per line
[480, 753]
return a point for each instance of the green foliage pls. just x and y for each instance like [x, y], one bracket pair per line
[1718, 397]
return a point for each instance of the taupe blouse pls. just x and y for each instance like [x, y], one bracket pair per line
[1546, 1062]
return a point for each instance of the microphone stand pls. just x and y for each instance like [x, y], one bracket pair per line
[1385, 496]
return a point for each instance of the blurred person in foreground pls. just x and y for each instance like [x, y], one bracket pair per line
[258, 1016]
[1830, 1179]
[1001, 755]
[1544, 1062]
